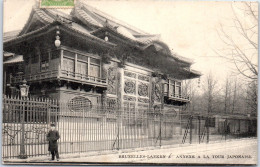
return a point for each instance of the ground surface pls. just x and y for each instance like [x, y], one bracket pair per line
[240, 151]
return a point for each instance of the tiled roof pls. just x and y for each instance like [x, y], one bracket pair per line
[85, 17]
[103, 17]
[98, 20]
[43, 15]
[10, 35]
[148, 39]
[8, 54]
[16, 59]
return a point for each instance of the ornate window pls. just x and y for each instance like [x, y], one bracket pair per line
[79, 103]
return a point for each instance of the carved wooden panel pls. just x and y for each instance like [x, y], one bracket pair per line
[143, 89]
[143, 78]
[143, 100]
[129, 98]
[112, 82]
[157, 92]
[130, 74]
[79, 103]
[130, 87]
[111, 105]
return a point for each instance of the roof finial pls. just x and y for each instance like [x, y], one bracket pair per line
[106, 22]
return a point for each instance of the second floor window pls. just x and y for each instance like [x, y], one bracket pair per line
[44, 65]
[94, 67]
[44, 62]
[68, 65]
[174, 88]
[81, 64]
[82, 68]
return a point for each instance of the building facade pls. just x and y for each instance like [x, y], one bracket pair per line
[88, 58]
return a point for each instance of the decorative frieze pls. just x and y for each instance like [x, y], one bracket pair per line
[111, 105]
[143, 89]
[79, 103]
[142, 108]
[141, 105]
[143, 100]
[130, 74]
[129, 98]
[143, 78]
[130, 87]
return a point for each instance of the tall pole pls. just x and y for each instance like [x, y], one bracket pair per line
[22, 146]
[24, 93]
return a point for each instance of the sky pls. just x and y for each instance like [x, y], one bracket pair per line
[188, 27]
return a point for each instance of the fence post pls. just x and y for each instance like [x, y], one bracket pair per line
[207, 129]
[161, 129]
[191, 129]
[22, 146]
[199, 129]
[48, 112]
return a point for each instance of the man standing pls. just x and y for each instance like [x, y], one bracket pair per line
[52, 137]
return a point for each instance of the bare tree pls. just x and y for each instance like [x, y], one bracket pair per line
[190, 88]
[227, 95]
[211, 93]
[241, 39]
[251, 98]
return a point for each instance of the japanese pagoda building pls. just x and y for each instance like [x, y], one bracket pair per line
[91, 57]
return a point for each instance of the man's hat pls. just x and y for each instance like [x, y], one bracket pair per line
[53, 125]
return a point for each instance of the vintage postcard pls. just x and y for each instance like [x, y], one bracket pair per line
[129, 82]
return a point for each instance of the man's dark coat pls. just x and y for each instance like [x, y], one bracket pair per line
[52, 137]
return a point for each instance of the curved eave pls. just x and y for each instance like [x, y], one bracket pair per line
[41, 16]
[29, 35]
[51, 27]
[111, 30]
[86, 18]
[90, 36]
[103, 17]
[192, 74]
[183, 59]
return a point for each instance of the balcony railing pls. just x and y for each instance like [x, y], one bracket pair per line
[63, 74]
[177, 97]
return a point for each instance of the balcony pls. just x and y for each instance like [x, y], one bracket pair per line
[62, 75]
[176, 99]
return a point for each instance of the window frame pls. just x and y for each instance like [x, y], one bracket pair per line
[174, 88]
[87, 61]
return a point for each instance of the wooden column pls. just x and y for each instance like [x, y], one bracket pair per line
[104, 75]
[61, 62]
[120, 88]
[76, 64]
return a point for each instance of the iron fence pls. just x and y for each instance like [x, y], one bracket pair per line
[94, 128]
